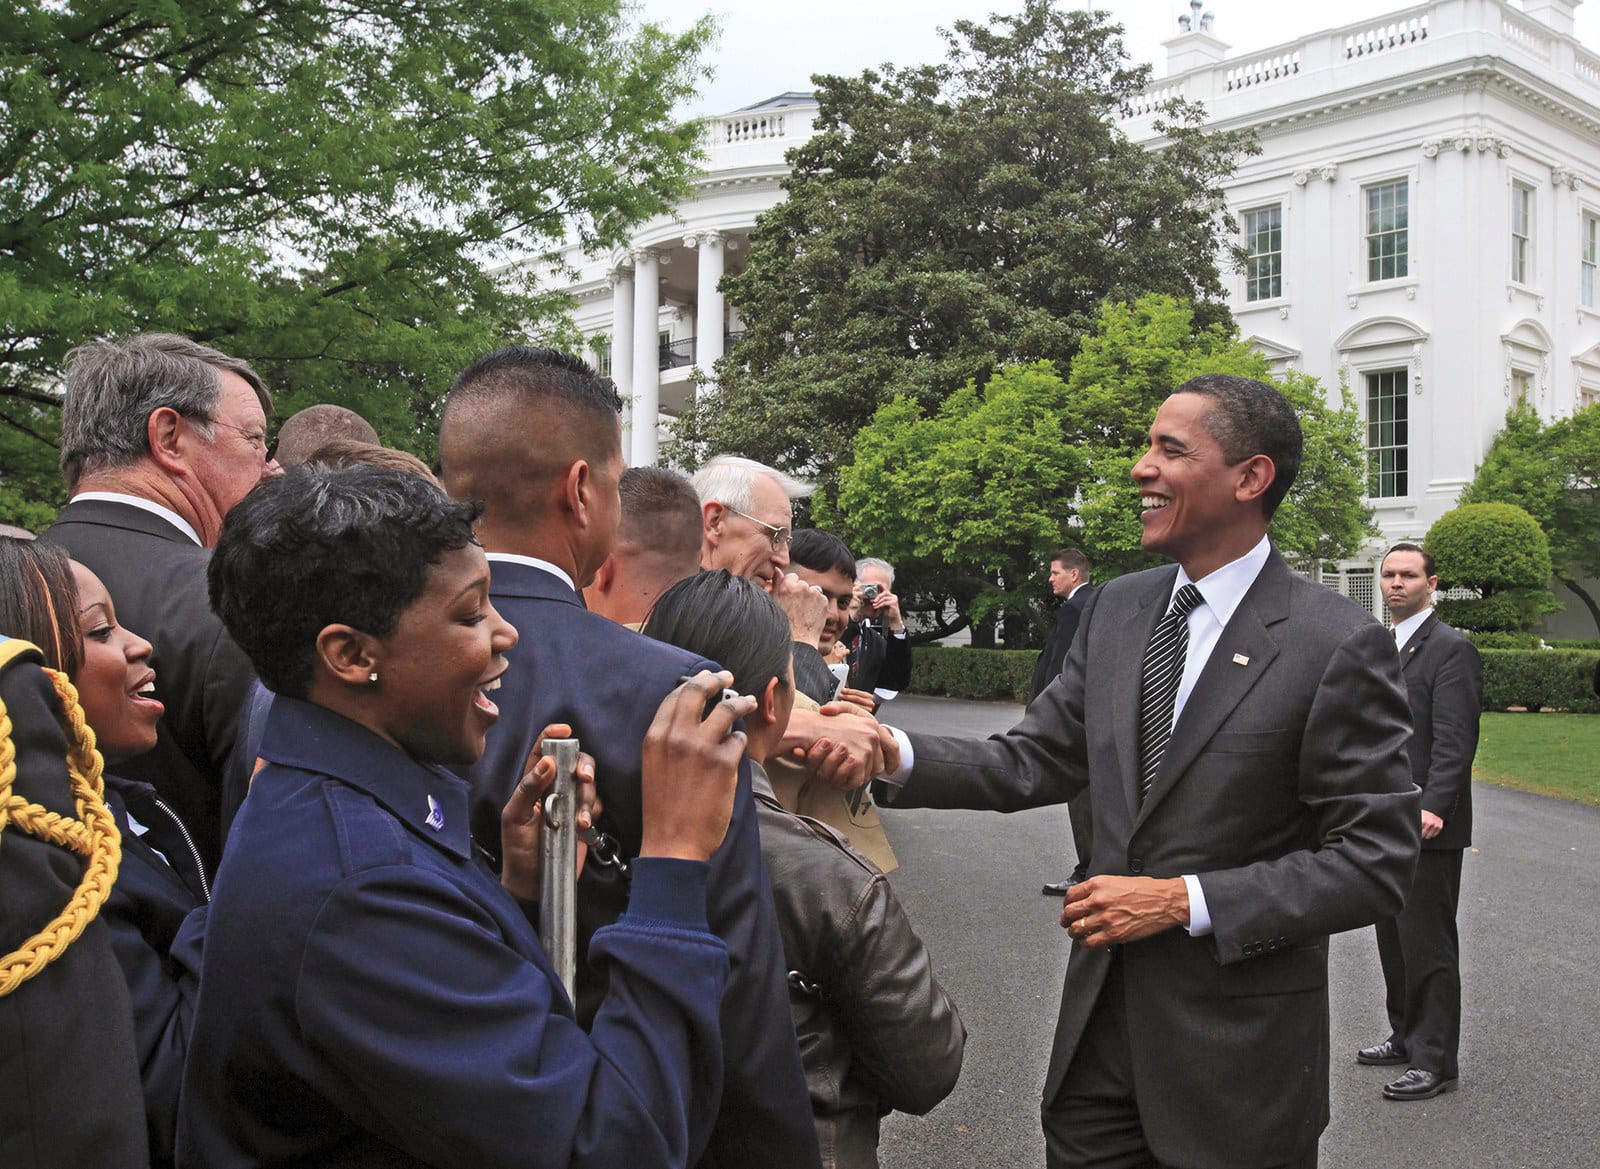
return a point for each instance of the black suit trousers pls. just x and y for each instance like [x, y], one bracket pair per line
[1421, 958]
[1093, 1122]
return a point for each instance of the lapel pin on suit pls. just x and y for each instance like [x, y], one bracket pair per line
[1241, 659]
[435, 818]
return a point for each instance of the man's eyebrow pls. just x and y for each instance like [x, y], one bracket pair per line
[1172, 440]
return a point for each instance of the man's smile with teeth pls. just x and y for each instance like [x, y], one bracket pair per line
[1151, 501]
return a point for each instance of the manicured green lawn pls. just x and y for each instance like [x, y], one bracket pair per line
[1552, 754]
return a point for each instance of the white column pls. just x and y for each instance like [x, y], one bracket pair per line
[646, 358]
[621, 278]
[710, 305]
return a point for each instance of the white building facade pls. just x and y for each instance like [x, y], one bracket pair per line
[1423, 222]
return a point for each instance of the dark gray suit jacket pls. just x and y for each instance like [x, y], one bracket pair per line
[157, 580]
[1054, 654]
[1285, 789]
[1444, 684]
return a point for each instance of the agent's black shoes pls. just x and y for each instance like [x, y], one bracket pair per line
[1382, 1054]
[1418, 1084]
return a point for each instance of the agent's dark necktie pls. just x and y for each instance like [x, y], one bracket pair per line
[1158, 684]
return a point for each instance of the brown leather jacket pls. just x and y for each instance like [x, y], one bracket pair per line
[876, 1030]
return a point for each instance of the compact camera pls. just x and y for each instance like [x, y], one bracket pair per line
[869, 593]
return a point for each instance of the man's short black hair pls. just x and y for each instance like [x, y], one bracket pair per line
[660, 513]
[821, 552]
[1408, 546]
[1069, 558]
[1250, 418]
[321, 546]
[730, 620]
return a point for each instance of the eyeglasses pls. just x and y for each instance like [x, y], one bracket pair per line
[780, 536]
[255, 438]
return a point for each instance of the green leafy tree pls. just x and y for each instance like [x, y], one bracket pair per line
[973, 498]
[324, 187]
[1552, 472]
[947, 220]
[1498, 551]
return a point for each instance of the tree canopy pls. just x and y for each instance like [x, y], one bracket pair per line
[946, 220]
[323, 187]
[970, 500]
[1498, 551]
[1553, 472]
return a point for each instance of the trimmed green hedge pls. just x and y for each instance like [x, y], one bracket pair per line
[973, 673]
[1559, 678]
[1563, 679]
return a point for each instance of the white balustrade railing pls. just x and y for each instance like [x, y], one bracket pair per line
[1587, 66]
[1527, 33]
[1264, 70]
[1379, 38]
[1151, 100]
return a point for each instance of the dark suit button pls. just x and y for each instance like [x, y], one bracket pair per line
[1136, 866]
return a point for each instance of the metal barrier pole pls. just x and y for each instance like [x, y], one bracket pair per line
[558, 890]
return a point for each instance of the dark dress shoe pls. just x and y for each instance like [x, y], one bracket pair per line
[1382, 1054]
[1418, 1084]
[1059, 888]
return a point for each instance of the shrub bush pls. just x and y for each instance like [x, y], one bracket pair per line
[1499, 552]
[1557, 678]
[1560, 679]
[972, 673]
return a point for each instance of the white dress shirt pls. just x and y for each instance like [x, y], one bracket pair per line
[1403, 630]
[532, 562]
[142, 504]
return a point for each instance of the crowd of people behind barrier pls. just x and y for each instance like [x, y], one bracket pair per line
[307, 926]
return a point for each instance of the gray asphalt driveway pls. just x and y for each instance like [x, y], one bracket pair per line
[1530, 935]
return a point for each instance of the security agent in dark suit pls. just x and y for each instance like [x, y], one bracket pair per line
[1419, 947]
[1069, 580]
[532, 435]
[160, 437]
[1243, 732]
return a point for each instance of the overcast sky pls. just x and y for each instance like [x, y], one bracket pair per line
[769, 46]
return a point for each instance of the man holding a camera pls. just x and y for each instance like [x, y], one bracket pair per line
[880, 653]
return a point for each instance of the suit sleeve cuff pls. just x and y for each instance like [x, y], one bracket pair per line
[898, 777]
[1199, 913]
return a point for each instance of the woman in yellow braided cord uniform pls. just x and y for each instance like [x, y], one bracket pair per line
[69, 1077]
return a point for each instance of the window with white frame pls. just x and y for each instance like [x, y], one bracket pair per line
[1387, 230]
[1388, 419]
[602, 357]
[1521, 387]
[1590, 259]
[1263, 252]
[1521, 233]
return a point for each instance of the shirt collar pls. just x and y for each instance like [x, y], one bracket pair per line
[1223, 589]
[143, 504]
[425, 797]
[1405, 630]
[532, 562]
[1074, 591]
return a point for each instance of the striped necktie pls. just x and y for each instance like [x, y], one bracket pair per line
[1158, 684]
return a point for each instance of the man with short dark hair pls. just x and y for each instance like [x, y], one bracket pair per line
[1419, 947]
[532, 434]
[1069, 582]
[1243, 732]
[306, 431]
[823, 561]
[160, 437]
[657, 545]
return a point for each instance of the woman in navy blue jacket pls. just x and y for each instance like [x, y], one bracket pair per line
[155, 914]
[371, 994]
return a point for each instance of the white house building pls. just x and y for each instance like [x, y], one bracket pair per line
[1423, 222]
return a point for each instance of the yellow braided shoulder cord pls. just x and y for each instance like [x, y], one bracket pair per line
[92, 835]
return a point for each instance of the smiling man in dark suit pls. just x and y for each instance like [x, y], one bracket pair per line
[533, 435]
[160, 437]
[1419, 947]
[1243, 733]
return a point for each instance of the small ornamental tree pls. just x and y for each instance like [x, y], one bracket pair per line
[1498, 551]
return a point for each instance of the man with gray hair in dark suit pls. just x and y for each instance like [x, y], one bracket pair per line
[1243, 733]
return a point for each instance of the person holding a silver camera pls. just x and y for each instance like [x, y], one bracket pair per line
[880, 652]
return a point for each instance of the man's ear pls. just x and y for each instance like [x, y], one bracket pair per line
[348, 655]
[767, 702]
[577, 490]
[1255, 475]
[606, 575]
[167, 435]
[711, 513]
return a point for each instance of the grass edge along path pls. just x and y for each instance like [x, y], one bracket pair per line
[1548, 754]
